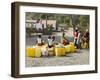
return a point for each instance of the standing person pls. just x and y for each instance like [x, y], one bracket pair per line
[50, 42]
[86, 37]
[76, 38]
[39, 40]
[79, 41]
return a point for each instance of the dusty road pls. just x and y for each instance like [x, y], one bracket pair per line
[79, 58]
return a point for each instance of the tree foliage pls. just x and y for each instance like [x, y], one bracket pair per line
[63, 20]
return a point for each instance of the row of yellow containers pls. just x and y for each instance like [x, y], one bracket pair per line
[33, 51]
[58, 51]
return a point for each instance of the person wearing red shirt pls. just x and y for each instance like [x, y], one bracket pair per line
[76, 38]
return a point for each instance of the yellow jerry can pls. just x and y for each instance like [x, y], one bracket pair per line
[60, 51]
[72, 48]
[30, 52]
[67, 49]
[38, 52]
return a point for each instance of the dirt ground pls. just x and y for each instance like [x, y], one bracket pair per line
[79, 58]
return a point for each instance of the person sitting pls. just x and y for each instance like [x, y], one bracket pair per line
[39, 40]
[50, 42]
[64, 40]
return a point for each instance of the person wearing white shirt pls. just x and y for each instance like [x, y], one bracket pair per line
[50, 42]
[39, 40]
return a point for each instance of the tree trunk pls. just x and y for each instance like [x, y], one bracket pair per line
[46, 20]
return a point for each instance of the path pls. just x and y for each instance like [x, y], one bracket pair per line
[79, 58]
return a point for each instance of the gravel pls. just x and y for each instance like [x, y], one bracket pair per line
[79, 58]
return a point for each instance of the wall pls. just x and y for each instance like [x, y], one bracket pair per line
[5, 40]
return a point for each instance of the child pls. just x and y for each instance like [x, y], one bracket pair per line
[64, 40]
[39, 40]
[50, 42]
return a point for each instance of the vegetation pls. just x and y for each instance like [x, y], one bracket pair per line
[63, 20]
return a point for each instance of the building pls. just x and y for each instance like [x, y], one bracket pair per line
[32, 23]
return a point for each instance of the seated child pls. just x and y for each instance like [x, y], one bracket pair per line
[64, 40]
[39, 41]
[50, 42]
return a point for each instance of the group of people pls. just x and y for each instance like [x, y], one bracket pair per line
[78, 39]
[50, 39]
